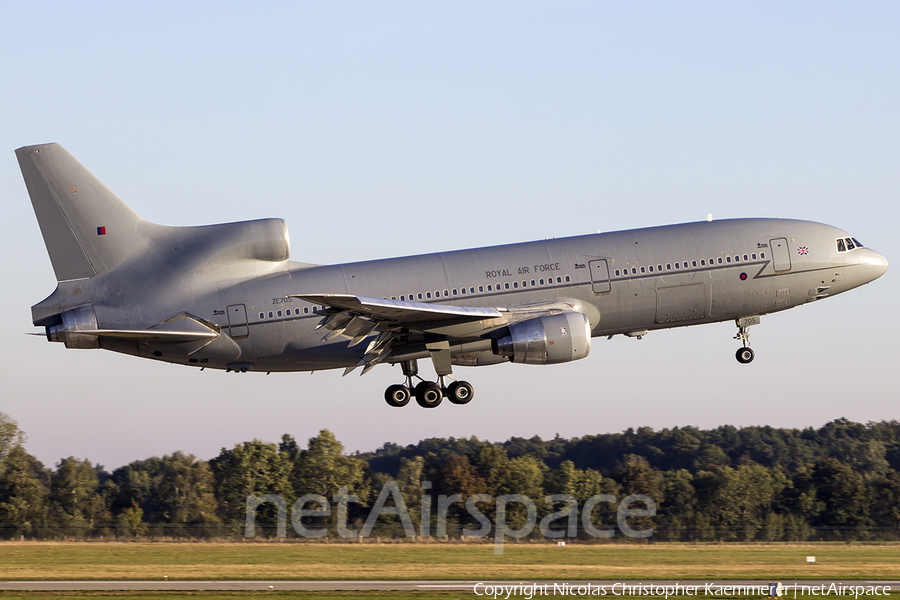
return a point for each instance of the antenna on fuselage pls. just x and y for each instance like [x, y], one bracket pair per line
[709, 217]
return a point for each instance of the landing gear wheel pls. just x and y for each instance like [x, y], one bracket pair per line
[744, 355]
[428, 395]
[397, 395]
[460, 392]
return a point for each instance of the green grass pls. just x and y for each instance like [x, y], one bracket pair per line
[254, 560]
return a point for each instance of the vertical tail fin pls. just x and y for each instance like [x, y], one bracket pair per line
[86, 228]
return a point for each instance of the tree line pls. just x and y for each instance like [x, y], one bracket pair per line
[837, 482]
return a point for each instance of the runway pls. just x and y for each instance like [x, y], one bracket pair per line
[611, 587]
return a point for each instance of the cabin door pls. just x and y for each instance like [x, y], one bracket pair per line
[237, 321]
[781, 254]
[600, 276]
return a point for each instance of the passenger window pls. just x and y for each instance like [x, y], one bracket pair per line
[762, 254]
[695, 263]
[506, 285]
[668, 266]
[753, 256]
[651, 268]
[720, 260]
[446, 293]
[490, 288]
[279, 313]
[454, 291]
[617, 274]
[262, 315]
[428, 295]
[643, 270]
[481, 288]
[559, 279]
[305, 310]
[703, 262]
[727, 259]
[532, 283]
[270, 314]
[567, 278]
[471, 290]
[516, 284]
[542, 281]
[745, 257]
[420, 295]
[659, 267]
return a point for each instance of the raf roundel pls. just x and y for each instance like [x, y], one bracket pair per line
[743, 277]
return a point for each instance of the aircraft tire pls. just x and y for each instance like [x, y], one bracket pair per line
[397, 395]
[460, 392]
[429, 395]
[744, 355]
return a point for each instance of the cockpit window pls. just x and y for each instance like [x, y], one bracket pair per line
[847, 244]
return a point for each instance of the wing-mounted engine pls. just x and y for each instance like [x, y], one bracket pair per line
[546, 340]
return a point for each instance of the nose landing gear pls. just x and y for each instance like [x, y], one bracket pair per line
[745, 355]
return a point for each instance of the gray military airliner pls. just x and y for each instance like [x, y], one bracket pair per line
[228, 297]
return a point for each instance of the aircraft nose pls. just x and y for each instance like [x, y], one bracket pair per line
[875, 264]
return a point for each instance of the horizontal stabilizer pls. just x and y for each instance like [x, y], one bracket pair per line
[151, 336]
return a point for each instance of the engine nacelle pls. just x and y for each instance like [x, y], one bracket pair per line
[546, 340]
[75, 319]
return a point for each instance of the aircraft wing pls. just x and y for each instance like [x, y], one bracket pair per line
[356, 317]
[399, 312]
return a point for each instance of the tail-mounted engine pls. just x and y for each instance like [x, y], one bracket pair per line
[546, 340]
[80, 318]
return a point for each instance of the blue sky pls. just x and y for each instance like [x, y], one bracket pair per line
[385, 129]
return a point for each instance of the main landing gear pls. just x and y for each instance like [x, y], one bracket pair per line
[427, 393]
[745, 354]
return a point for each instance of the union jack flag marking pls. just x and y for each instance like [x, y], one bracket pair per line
[802, 250]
